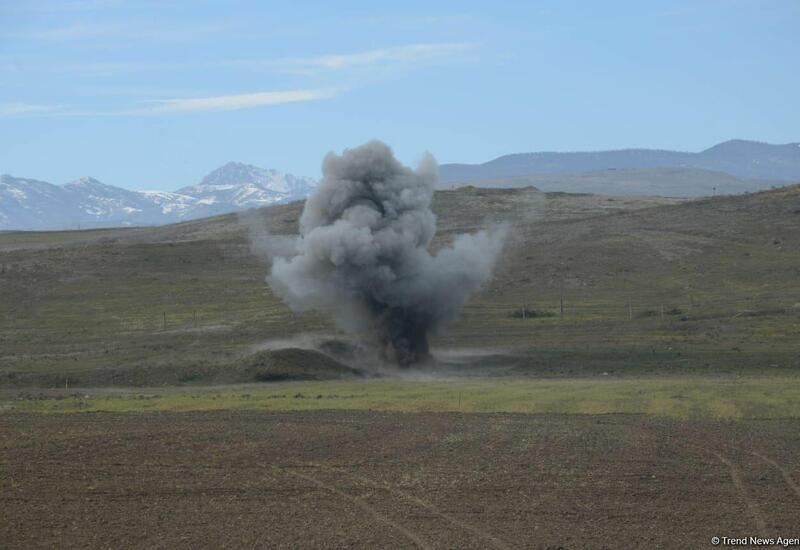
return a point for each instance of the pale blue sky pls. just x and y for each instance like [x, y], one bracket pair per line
[153, 95]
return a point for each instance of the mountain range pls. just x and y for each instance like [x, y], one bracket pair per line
[643, 182]
[740, 158]
[86, 202]
[732, 167]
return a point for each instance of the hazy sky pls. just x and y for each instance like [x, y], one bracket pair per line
[153, 95]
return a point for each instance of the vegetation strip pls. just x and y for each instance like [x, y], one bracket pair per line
[691, 397]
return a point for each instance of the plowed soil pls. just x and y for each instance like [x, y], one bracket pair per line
[387, 480]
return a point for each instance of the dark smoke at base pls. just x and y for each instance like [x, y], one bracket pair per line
[363, 254]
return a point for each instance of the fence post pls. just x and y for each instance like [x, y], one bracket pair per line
[524, 313]
[662, 312]
[165, 320]
[630, 312]
[562, 306]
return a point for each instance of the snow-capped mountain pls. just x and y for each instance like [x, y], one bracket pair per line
[101, 204]
[29, 203]
[172, 205]
[86, 202]
[251, 179]
[237, 186]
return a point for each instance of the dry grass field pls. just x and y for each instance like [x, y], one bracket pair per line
[647, 285]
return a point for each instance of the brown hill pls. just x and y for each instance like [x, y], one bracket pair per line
[186, 302]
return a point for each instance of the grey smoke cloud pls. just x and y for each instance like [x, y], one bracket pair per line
[363, 253]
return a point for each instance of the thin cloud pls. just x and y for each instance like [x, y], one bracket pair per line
[75, 31]
[10, 109]
[403, 54]
[116, 32]
[173, 106]
[234, 102]
[63, 6]
[413, 21]
[424, 53]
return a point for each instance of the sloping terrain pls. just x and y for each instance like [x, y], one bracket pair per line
[610, 284]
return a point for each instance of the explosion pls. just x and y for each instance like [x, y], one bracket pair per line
[363, 253]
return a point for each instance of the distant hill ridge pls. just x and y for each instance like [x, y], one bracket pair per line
[648, 182]
[732, 167]
[740, 158]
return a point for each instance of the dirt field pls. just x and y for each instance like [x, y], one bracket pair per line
[370, 479]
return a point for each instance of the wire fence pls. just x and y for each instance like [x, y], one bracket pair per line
[631, 308]
[165, 318]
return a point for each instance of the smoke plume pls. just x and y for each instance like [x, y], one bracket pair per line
[363, 253]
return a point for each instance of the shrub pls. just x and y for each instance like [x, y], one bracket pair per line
[647, 313]
[527, 313]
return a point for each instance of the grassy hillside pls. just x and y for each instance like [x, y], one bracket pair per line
[187, 303]
[677, 397]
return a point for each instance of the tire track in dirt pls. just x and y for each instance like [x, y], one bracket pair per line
[492, 540]
[736, 478]
[365, 507]
[740, 486]
[785, 473]
[765, 459]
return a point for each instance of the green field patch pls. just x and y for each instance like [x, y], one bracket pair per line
[684, 398]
